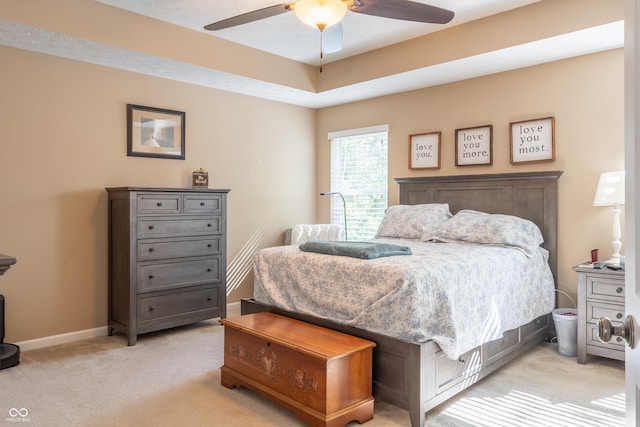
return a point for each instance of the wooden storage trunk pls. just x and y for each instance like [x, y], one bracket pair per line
[323, 376]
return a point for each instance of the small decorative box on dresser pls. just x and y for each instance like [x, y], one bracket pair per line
[321, 375]
[600, 294]
[167, 258]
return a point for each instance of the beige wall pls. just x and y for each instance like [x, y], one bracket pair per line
[585, 95]
[63, 139]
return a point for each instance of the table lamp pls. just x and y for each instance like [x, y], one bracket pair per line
[610, 192]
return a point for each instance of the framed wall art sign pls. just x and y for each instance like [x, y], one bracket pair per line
[533, 140]
[424, 151]
[155, 132]
[474, 146]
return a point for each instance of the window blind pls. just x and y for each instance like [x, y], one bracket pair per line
[359, 171]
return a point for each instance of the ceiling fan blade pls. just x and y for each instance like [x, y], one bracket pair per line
[404, 10]
[332, 38]
[254, 15]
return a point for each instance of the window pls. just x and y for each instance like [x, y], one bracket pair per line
[359, 160]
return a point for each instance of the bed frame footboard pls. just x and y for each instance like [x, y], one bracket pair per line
[419, 377]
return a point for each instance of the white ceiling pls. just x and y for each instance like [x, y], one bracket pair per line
[285, 36]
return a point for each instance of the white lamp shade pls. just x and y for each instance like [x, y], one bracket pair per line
[320, 13]
[610, 189]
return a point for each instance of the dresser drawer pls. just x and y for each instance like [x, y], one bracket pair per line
[149, 227]
[157, 276]
[190, 301]
[196, 204]
[177, 248]
[159, 204]
[606, 289]
[596, 310]
[537, 325]
[450, 372]
[496, 349]
[616, 343]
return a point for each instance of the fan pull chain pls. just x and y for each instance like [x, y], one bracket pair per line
[321, 51]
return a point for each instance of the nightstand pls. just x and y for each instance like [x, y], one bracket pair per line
[600, 294]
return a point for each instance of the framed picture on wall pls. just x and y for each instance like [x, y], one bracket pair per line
[474, 146]
[155, 132]
[424, 151]
[533, 140]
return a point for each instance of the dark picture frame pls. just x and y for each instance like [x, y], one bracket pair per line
[155, 132]
[424, 150]
[474, 146]
[533, 140]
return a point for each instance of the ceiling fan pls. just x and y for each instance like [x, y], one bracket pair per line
[327, 14]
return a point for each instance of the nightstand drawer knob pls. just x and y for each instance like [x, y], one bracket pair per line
[606, 330]
[619, 316]
[619, 290]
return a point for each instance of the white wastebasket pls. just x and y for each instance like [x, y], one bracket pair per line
[566, 323]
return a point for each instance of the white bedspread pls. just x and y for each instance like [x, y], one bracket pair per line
[457, 294]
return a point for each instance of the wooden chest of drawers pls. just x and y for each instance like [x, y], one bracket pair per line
[323, 376]
[600, 294]
[167, 258]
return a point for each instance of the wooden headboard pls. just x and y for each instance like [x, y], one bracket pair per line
[529, 195]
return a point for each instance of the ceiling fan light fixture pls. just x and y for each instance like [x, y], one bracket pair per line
[320, 13]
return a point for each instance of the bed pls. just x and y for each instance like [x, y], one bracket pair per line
[418, 372]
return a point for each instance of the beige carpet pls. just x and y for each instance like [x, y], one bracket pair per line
[172, 378]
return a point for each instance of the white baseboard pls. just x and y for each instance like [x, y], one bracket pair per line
[62, 338]
[83, 335]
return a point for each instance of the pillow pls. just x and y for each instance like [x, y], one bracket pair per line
[497, 229]
[412, 221]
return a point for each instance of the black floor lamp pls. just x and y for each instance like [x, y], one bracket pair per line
[344, 208]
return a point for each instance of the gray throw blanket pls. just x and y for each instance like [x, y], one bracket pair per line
[363, 250]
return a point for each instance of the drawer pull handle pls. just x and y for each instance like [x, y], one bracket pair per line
[209, 245]
[151, 308]
[505, 338]
[159, 204]
[619, 316]
[209, 298]
[151, 227]
[151, 250]
[209, 225]
[151, 276]
[208, 270]
[201, 203]
[619, 290]
[619, 339]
